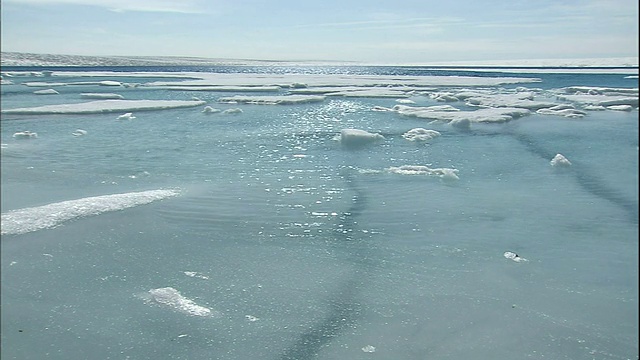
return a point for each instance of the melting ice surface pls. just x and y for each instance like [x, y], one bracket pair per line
[371, 212]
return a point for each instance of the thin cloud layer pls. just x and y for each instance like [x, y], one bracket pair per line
[185, 7]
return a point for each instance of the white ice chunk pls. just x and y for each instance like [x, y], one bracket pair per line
[172, 299]
[233, 111]
[46, 92]
[513, 256]
[273, 100]
[79, 132]
[620, 107]
[522, 100]
[560, 160]
[110, 83]
[103, 106]
[47, 216]
[126, 116]
[488, 115]
[461, 124]
[25, 135]
[101, 96]
[356, 137]
[369, 349]
[381, 108]
[602, 100]
[443, 173]
[420, 134]
[569, 112]
[195, 274]
[210, 110]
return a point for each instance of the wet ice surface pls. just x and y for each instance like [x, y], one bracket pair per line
[305, 248]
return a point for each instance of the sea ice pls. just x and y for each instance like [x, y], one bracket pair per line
[46, 92]
[79, 132]
[443, 173]
[488, 115]
[103, 106]
[126, 116]
[560, 160]
[357, 138]
[26, 220]
[210, 110]
[233, 111]
[25, 135]
[369, 349]
[101, 96]
[272, 100]
[513, 256]
[620, 107]
[172, 298]
[420, 134]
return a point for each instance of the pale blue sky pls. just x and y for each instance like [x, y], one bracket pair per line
[409, 31]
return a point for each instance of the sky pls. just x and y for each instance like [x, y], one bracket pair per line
[373, 31]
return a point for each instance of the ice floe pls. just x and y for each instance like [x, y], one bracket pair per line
[599, 99]
[566, 110]
[443, 173]
[369, 349]
[357, 137]
[233, 111]
[229, 88]
[126, 116]
[46, 92]
[79, 132]
[172, 299]
[272, 100]
[101, 96]
[485, 115]
[513, 256]
[620, 107]
[26, 220]
[420, 134]
[522, 100]
[195, 274]
[104, 106]
[560, 160]
[210, 110]
[25, 135]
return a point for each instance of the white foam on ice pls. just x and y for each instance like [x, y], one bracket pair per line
[103, 106]
[101, 96]
[26, 220]
[420, 134]
[272, 100]
[172, 299]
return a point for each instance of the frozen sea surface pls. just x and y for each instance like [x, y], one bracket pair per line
[257, 233]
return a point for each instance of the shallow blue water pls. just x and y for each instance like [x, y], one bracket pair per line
[310, 250]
